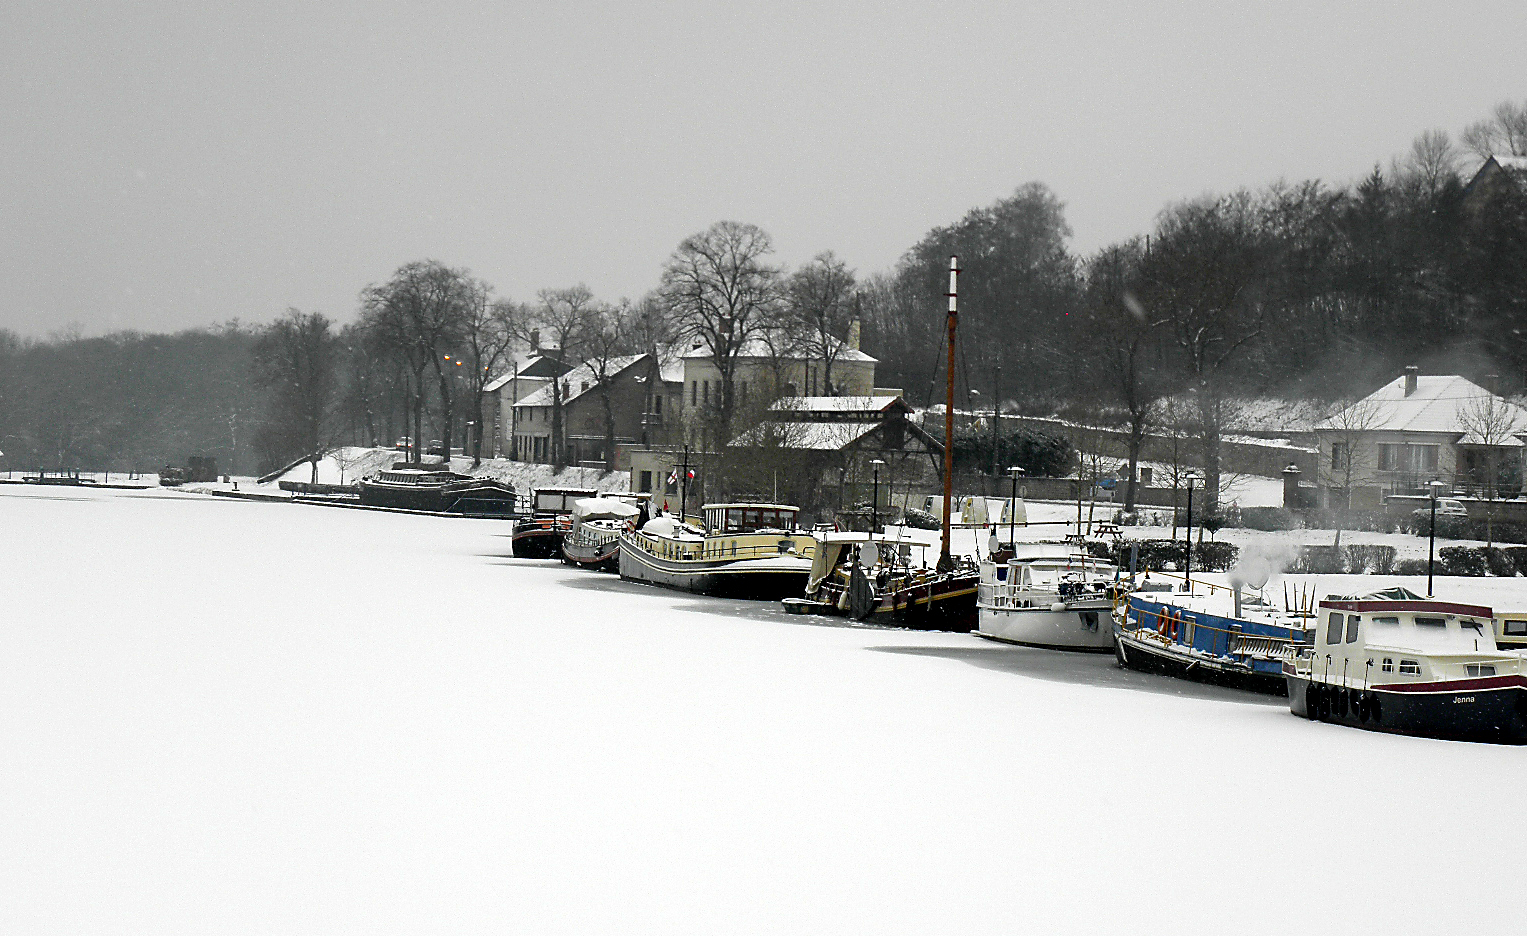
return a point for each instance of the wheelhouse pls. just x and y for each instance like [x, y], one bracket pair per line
[559, 500]
[749, 518]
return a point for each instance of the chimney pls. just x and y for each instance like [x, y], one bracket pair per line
[853, 335]
[1492, 384]
[535, 341]
[1410, 379]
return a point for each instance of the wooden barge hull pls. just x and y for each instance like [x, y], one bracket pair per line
[773, 578]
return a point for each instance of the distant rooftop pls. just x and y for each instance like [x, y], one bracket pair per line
[1437, 404]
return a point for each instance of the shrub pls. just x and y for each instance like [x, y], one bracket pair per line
[1460, 560]
[1320, 560]
[1215, 556]
[1518, 557]
[1498, 562]
[1410, 567]
[1370, 559]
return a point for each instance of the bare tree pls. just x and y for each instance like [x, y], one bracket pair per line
[1492, 424]
[1503, 134]
[420, 313]
[296, 359]
[613, 339]
[822, 304]
[1203, 272]
[562, 317]
[723, 294]
[1430, 165]
[488, 334]
[1348, 430]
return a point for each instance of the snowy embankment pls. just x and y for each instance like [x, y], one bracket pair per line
[291, 719]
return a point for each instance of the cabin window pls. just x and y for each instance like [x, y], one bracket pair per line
[1352, 620]
[1480, 669]
[1410, 668]
[1514, 628]
[1430, 621]
[1388, 666]
[1333, 628]
[1386, 621]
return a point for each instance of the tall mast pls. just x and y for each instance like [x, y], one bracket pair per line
[945, 558]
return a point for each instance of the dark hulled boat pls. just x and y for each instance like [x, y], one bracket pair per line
[539, 536]
[1396, 662]
[436, 491]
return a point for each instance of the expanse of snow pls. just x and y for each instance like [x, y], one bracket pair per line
[226, 716]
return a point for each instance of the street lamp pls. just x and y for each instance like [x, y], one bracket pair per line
[1187, 565]
[1012, 509]
[1431, 545]
[875, 498]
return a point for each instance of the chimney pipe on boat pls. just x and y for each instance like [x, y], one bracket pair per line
[1237, 601]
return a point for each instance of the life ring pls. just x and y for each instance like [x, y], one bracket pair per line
[1161, 619]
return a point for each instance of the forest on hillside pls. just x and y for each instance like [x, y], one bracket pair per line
[1297, 289]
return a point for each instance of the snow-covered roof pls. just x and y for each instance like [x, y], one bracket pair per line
[1440, 404]
[1515, 163]
[575, 379]
[809, 436]
[758, 348]
[539, 367]
[837, 404]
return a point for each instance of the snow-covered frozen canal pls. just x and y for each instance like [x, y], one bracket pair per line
[229, 717]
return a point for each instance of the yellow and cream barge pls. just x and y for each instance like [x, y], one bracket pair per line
[743, 551]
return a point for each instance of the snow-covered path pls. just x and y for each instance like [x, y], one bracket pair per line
[231, 717]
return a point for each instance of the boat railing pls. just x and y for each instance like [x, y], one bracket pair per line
[693, 551]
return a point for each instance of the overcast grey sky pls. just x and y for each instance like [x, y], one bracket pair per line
[165, 165]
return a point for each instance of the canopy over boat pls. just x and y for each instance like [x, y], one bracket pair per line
[602, 508]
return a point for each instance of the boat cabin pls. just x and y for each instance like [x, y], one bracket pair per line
[559, 500]
[1511, 630]
[1395, 638]
[749, 518]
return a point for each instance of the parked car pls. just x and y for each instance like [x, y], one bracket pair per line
[436, 447]
[1446, 507]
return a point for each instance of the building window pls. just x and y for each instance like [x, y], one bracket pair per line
[1145, 476]
[706, 391]
[646, 485]
[1415, 458]
[657, 405]
[1338, 455]
[1514, 628]
[694, 393]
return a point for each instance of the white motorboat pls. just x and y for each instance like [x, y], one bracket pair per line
[1051, 595]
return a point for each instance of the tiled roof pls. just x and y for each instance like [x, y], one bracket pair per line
[1438, 404]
